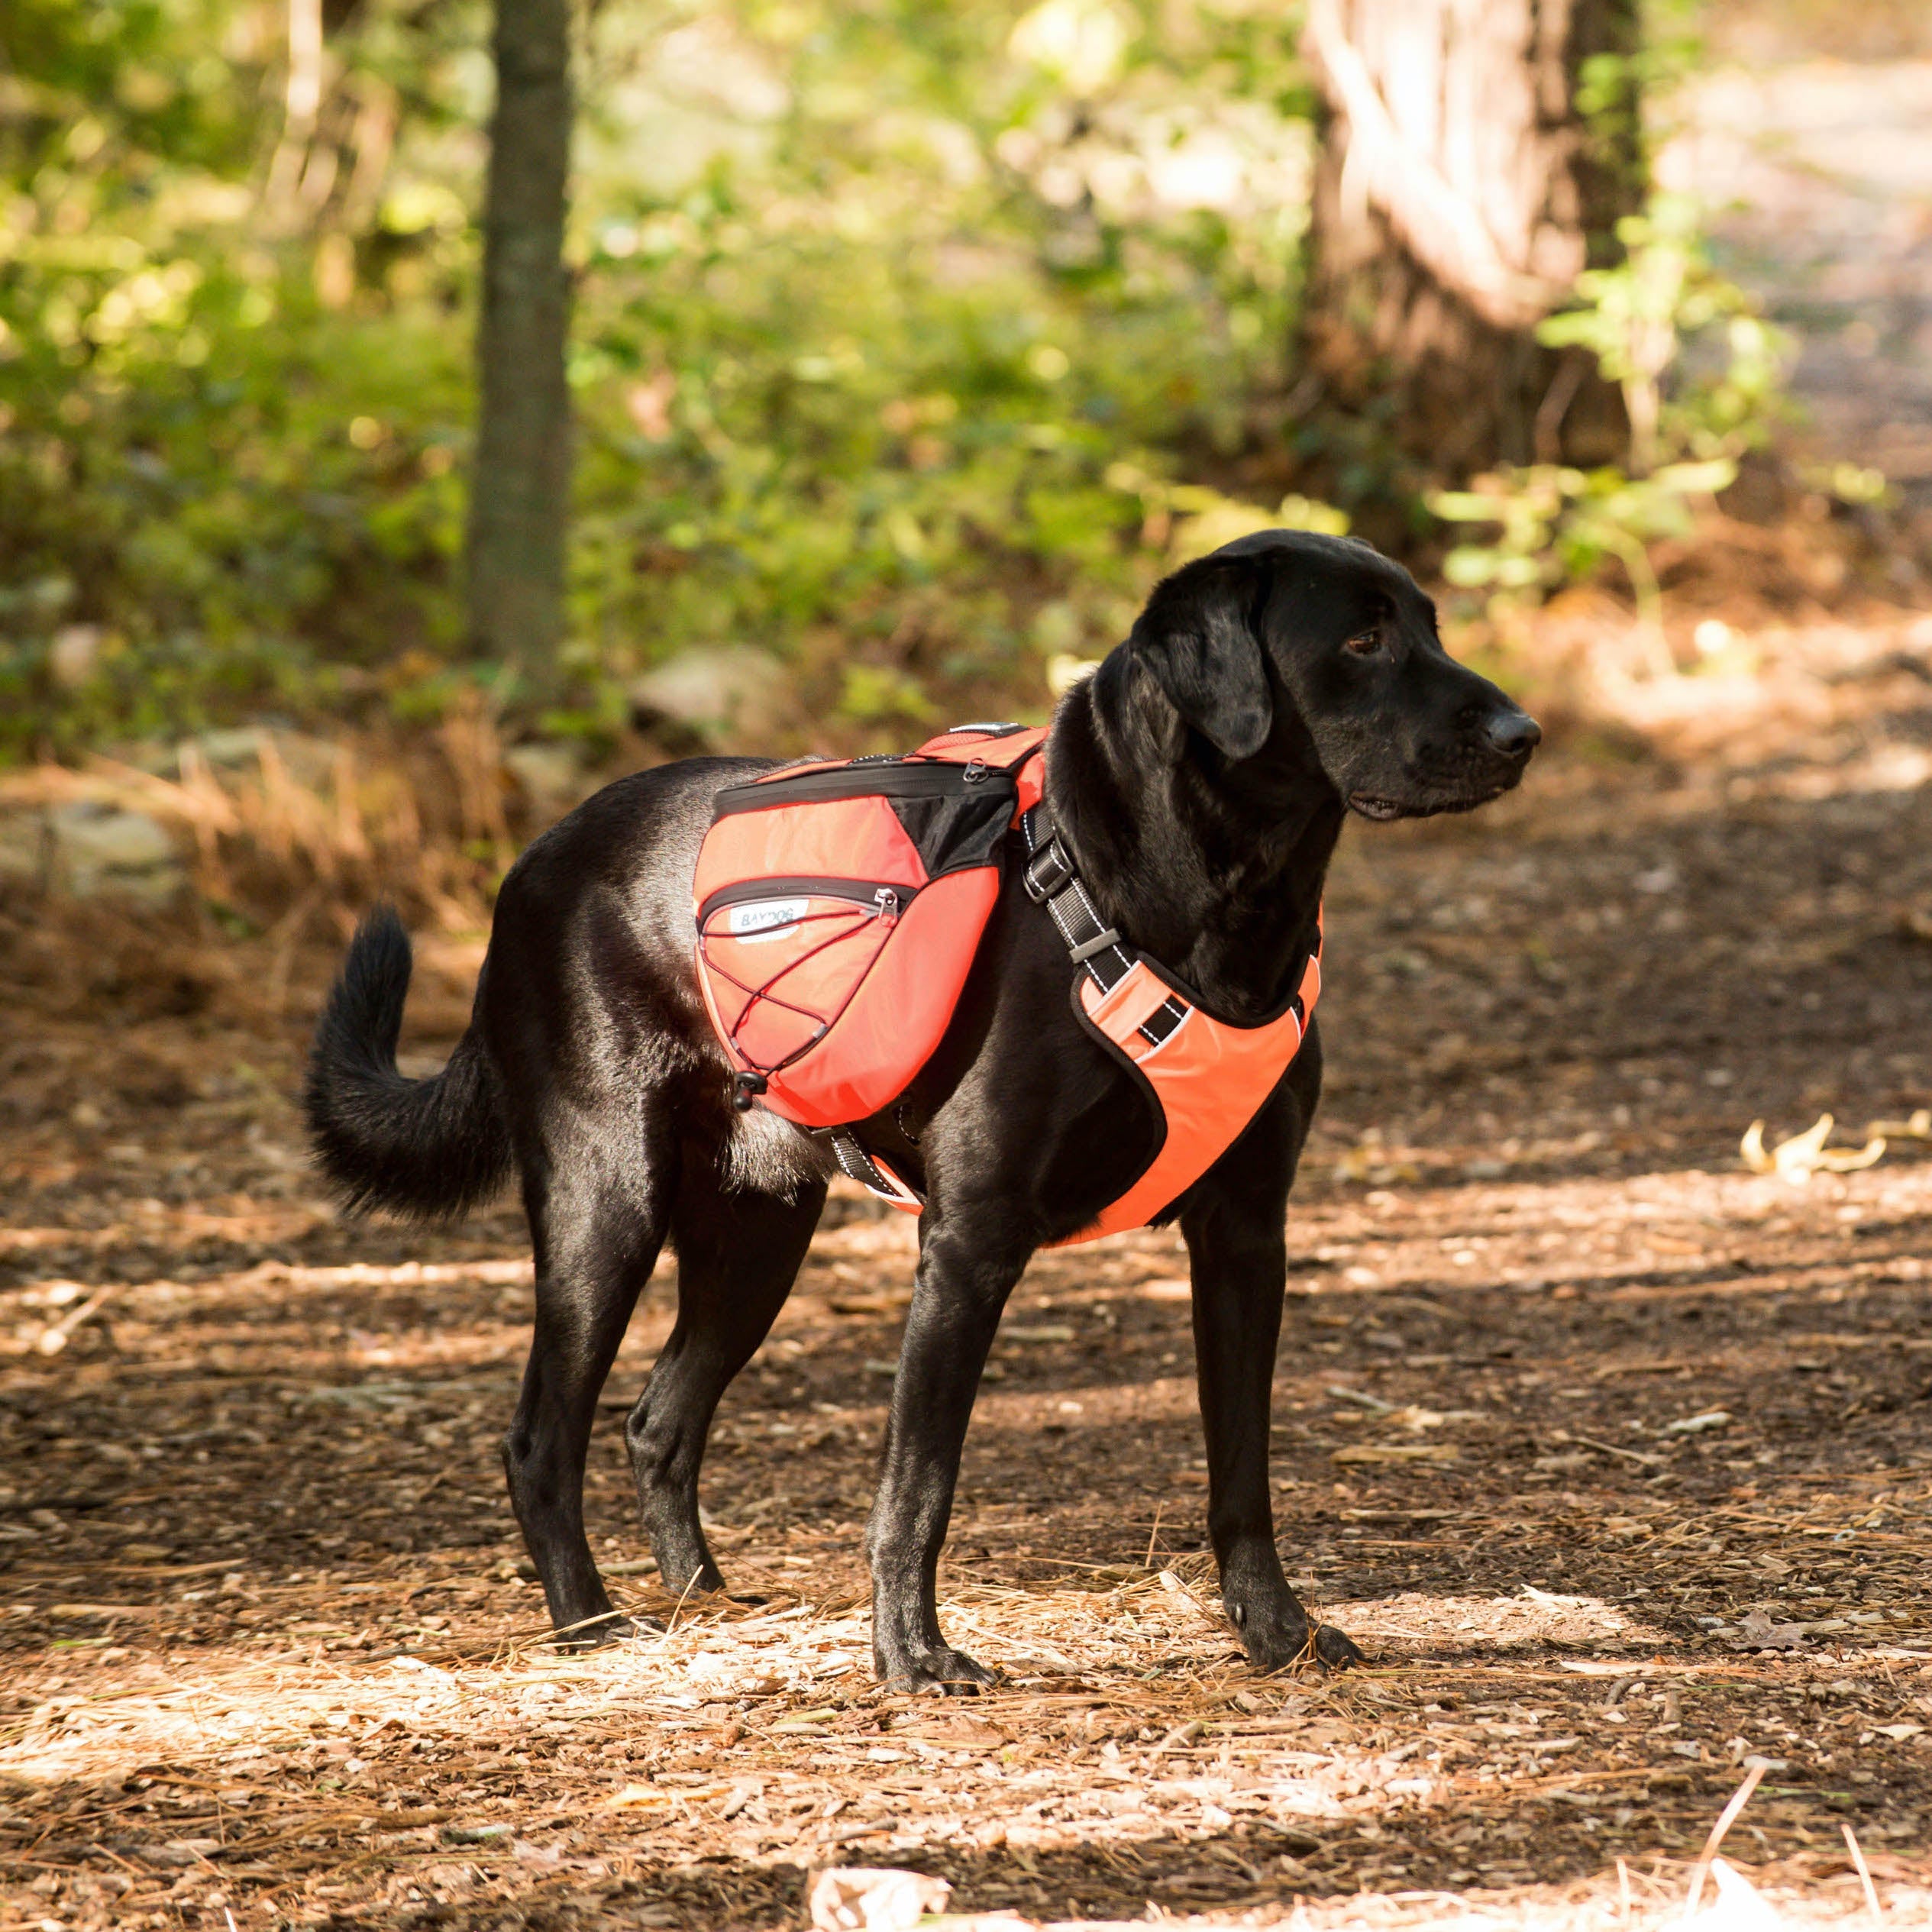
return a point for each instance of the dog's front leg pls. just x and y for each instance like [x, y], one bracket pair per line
[967, 1268]
[1240, 1260]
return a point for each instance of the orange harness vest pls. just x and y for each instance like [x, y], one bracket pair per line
[829, 994]
[1206, 1079]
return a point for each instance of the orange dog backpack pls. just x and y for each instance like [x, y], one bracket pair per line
[839, 907]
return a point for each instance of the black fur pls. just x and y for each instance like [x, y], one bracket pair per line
[427, 1149]
[1200, 778]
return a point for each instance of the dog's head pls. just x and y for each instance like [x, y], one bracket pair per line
[1288, 647]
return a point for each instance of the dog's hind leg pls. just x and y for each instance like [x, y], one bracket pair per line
[596, 1225]
[738, 1252]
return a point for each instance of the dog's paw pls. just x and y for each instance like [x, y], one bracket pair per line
[1320, 1644]
[688, 1582]
[616, 1628]
[945, 1672]
[1333, 1650]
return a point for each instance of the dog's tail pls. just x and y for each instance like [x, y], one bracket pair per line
[424, 1147]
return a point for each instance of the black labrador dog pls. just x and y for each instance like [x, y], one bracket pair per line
[1199, 779]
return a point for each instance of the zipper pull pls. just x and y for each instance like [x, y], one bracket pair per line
[975, 770]
[887, 902]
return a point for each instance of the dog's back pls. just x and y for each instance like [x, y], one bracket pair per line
[590, 969]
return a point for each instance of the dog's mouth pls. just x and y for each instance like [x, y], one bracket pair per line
[1371, 804]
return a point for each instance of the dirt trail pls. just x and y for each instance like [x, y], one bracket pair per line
[268, 1650]
[1819, 173]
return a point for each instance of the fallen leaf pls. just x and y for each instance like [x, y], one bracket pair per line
[805, 1719]
[856, 1898]
[1373, 1404]
[1796, 1160]
[1398, 1452]
[1757, 1631]
[633, 1798]
[742, 1793]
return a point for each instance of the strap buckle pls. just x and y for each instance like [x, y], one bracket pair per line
[1048, 871]
[1086, 949]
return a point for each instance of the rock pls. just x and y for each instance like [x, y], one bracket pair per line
[75, 654]
[310, 761]
[25, 852]
[97, 851]
[475, 1834]
[551, 776]
[724, 696]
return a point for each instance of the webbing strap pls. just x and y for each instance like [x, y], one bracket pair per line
[856, 1164]
[1096, 948]
[1052, 881]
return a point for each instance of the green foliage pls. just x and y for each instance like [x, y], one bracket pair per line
[1702, 375]
[913, 342]
[896, 328]
[864, 385]
[1664, 309]
[1557, 524]
[216, 495]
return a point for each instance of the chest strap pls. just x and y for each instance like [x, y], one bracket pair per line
[1052, 881]
[1096, 947]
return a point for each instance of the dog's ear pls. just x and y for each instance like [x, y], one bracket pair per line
[1198, 636]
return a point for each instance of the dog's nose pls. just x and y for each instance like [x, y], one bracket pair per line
[1513, 733]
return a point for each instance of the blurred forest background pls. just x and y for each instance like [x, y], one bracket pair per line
[910, 345]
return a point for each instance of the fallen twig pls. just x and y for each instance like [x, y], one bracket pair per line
[1754, 1777]
[1864, 1871]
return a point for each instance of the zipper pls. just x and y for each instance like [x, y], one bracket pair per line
[876, 900]
[902, 778]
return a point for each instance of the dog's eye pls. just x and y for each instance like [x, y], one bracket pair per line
[1365, 643]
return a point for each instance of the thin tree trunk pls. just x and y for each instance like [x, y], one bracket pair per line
[1458, 192]
[301, 103]
[519, 500]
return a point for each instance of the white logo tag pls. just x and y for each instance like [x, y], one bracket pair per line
[765, 919]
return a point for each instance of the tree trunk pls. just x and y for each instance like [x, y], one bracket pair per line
[520, 492]
[1458, 191]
